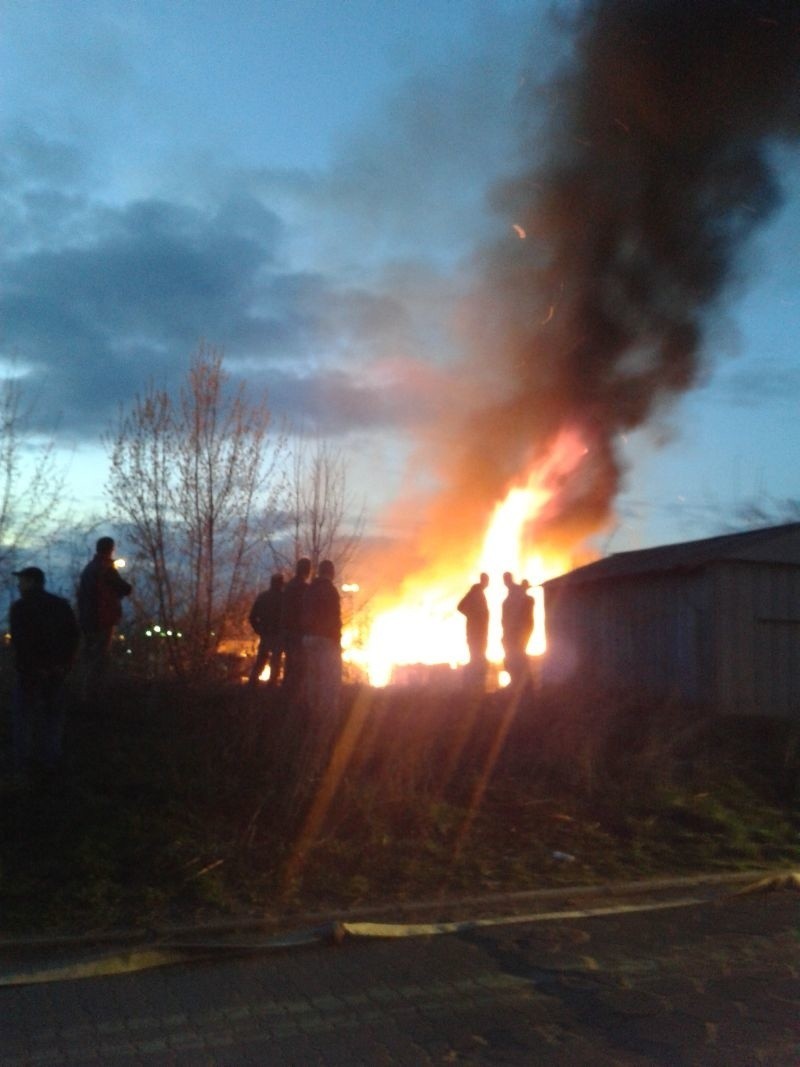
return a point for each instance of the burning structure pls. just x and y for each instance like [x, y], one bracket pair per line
[643, 169]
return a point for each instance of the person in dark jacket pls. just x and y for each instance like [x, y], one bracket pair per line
[322, 639]
[292, 629]
[527, 604]
[101, 590]
[265, 618]
[44, 637]
[517, 620]
[476, 611]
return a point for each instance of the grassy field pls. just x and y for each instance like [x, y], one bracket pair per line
[179, 803]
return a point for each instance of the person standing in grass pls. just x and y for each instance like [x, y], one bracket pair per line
[292, 629]
[474, 608]
[101, 590]
[526, 615]
[265, 618]
[517, 622]
[45, 638]
[322, 640]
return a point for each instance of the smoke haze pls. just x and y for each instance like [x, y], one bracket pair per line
[635, 209]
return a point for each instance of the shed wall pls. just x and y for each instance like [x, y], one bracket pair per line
[756, 638]
[649, 634]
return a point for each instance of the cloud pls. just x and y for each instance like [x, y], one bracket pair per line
[401, 393]
[752, 386]
[96, 300]
[313, 282]
[91, 316]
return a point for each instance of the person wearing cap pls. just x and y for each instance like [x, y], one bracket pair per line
[101, 590]
[45, 638]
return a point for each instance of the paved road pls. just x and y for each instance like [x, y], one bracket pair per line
[715, 983]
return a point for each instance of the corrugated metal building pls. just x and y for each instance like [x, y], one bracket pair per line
[713, 622]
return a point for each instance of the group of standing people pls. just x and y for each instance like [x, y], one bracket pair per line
[46, 636]
[299, 626]
[517, 628]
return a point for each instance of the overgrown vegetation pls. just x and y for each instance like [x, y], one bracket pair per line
[180, 803]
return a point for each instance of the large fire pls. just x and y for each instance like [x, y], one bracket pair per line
[421, 625]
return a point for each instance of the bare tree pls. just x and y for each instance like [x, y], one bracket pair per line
[31, 481]
[192, 479]
[321, 521]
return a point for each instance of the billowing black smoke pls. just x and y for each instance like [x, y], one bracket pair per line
[641, 190]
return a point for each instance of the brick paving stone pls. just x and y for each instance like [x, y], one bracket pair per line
[784, 987]
[632, 1001]
[779, 1013]
[706, 1006]
[633, 991]
[682, 1032]
[736, 987]
[193, 1058]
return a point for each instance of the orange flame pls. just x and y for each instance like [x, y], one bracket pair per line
[422, 626]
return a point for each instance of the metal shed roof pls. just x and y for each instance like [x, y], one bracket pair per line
[752, 546]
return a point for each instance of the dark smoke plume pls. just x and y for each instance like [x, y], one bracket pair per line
[653, 170]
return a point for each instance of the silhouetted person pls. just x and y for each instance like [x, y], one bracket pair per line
[474, 607]
[526, 614]
[45, 638]
[517, 624]
[101, 590]
[292, 628]
[322, 640]
[265, 618]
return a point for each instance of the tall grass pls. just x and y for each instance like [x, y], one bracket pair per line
[181, 800]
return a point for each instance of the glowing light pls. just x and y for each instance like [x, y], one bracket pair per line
[422, 625]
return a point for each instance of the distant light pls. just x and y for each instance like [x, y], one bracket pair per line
[350, 587]
[156, 629]
[119, 564]
[148, 633]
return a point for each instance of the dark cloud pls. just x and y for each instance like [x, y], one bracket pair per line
[30, 159]
[94, 316]
[394, 394]
[749, 386]
[308, 281]
[97, 300]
